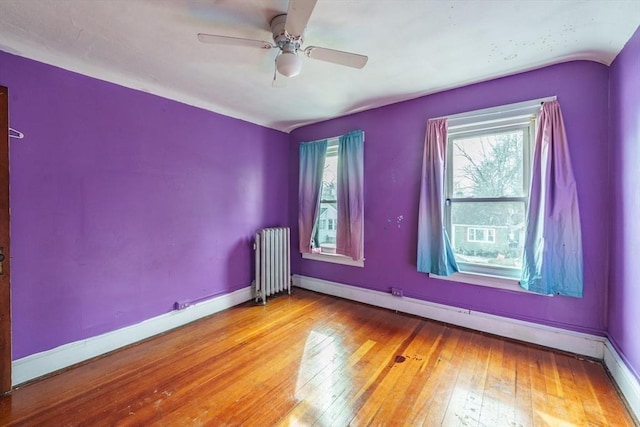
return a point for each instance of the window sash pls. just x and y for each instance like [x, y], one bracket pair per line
[489, 270]
[487, 233]
[527, 125]
[528, 128]
[487, 199]
[330, 224]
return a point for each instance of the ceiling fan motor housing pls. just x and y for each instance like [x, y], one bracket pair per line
[288, 32]
[287, 63]
[285, 41]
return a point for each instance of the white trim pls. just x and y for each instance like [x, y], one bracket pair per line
[485, 280]
[624, 378]
[496, 113]
[561, 339]
[334, 258]
[46, 362]
[39, 364]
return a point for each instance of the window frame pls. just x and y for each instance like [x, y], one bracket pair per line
[332, 151]
[330, 256]
[489, 231]
[478, 128]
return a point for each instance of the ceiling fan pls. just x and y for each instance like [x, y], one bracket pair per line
[288, 31]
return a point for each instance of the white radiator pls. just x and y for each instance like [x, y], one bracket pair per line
[273, 265]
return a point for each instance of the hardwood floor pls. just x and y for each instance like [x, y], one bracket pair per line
[310, 359]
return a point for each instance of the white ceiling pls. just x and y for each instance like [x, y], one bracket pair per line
[415, 47]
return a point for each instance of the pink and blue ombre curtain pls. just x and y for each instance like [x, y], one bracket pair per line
[312, 157]
[435, 254]
[350, 230]
[552, 261]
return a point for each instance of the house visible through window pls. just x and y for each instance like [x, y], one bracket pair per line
[331, 212]
[325, 236]
[475, 234]
[487, 192]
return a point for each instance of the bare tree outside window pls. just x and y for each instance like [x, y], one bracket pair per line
[488, 194]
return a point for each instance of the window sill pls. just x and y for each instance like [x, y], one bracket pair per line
[335, 259]
[484, 280]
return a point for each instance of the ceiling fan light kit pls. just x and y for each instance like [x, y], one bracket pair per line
[287, 30]
[288, 64]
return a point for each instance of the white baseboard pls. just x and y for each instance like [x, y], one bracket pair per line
[561, 339]
[46, 362]
[39, 364]
[624, 378]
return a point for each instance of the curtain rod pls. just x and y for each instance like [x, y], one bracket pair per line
[525, 105]
[333, 139]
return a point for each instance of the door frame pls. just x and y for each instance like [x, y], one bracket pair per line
[5, 287]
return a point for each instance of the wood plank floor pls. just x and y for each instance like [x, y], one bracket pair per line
[309, 359]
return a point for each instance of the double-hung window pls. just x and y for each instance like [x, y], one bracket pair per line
[484, 216]
[335, 231]
[324, 239]
[488, 176]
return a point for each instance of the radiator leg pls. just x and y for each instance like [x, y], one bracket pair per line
[256, 291]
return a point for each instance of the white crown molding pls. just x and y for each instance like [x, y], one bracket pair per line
[46, 362]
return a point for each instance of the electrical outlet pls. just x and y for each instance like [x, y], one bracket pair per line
[396, 292]
[181, 305]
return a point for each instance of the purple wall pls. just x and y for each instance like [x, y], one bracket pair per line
[393, 156]
[624, 277]
[124, 202]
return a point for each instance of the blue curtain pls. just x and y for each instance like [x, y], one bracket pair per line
[552, 261]
[312, 157]
[435, 254]
[350, 232]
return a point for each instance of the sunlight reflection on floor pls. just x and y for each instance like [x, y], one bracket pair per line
[319, 377]
[550, 420]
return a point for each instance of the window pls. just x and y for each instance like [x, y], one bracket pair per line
[331, 230]
[475, 234]
[487, 192]
[325, 236]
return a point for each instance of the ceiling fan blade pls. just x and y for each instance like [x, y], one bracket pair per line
[336, 56]
[298, 15]
[234, 41]
[278, 82]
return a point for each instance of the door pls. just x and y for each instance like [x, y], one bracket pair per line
[5, 291]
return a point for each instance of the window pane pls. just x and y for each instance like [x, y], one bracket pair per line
[327, 231]
[488, 165]
[329, 178]
[489, 233]
[328, 217]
